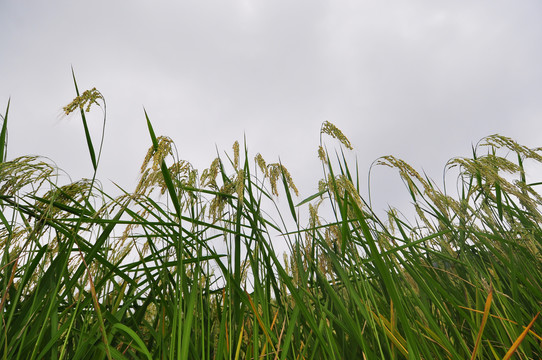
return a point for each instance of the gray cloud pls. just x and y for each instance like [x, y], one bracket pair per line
[422, 80]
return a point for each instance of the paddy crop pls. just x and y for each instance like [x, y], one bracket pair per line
[183, 266]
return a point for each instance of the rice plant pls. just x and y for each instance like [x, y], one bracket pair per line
[184, 267]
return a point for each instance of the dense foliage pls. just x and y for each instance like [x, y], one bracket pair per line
[184, 266]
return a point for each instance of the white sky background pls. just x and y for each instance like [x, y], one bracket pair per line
[420, 79]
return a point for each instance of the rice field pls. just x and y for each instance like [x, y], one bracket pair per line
[183, 266]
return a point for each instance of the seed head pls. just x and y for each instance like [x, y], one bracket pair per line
[261, 163]
[88, 98]
[235, 148]
[333, 131]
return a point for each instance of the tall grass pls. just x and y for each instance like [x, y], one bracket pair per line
[183, 267]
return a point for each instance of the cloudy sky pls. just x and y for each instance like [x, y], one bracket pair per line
[420, 79]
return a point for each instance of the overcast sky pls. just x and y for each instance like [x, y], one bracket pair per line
[419, 79]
